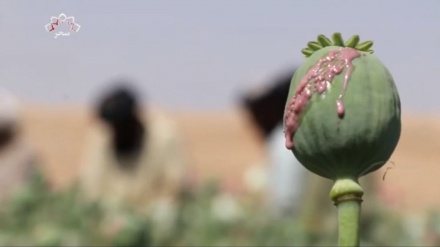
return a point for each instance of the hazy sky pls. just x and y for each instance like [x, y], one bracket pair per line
[202, 54]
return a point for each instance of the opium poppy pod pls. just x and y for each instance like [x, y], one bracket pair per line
[342, 116]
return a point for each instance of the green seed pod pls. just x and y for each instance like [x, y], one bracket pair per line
[342, 117]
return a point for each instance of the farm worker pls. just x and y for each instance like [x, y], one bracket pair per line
[17, 157]
[132, 160]
[285, 175]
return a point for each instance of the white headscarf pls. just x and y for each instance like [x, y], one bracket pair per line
[9, 108]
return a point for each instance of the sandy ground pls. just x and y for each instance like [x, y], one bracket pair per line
[224, 144]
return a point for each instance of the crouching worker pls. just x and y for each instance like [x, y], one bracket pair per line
[17, 157]
[132, 161]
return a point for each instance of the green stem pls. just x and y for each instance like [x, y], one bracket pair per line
[348, 216]
[347, 195]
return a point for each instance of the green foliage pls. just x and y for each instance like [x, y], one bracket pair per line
[38, 217]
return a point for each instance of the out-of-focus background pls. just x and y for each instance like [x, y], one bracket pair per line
[212, 74]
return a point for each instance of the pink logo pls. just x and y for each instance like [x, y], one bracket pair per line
[62, 20]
